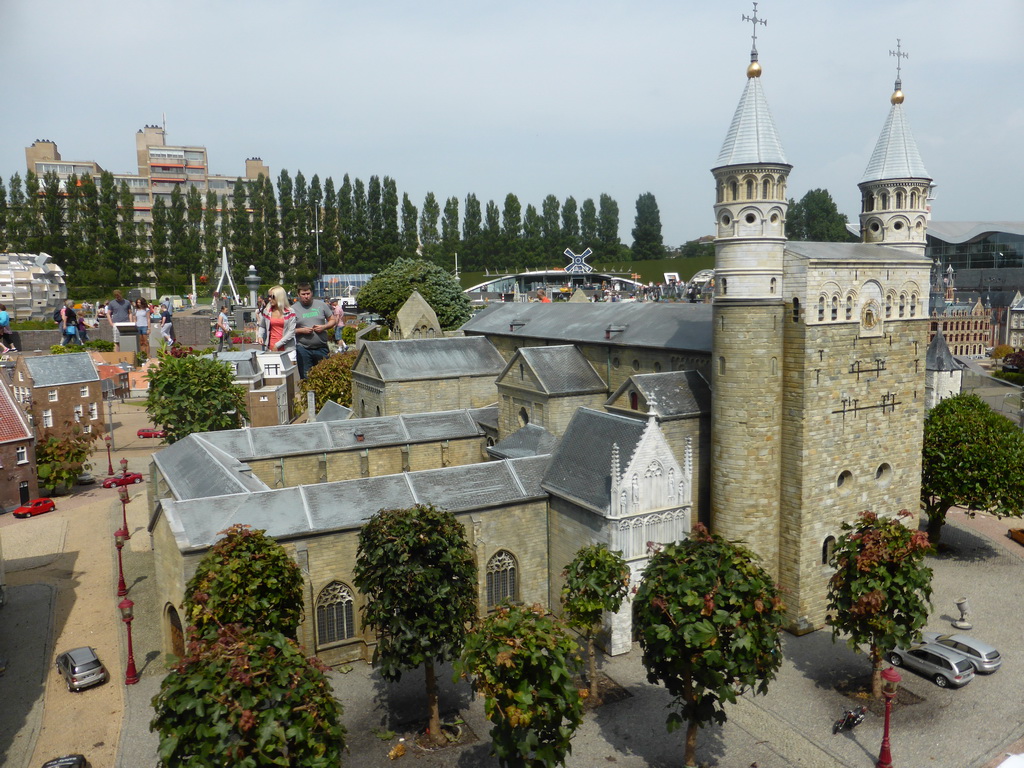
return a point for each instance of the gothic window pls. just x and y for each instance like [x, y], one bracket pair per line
[623, 503]
[335, 620]
[653, 470]
[721, 366]
[634, 401]
[636, 489]
[835, 307]
[502, 578]
[521, 375]
[671, 486]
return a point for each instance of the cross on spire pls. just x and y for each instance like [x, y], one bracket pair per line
[754, 22]
[899, 54]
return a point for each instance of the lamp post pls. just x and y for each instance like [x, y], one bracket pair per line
[110, 464]
[890, 685]
[122, 493]
[131, 676]
[124, 465]
[316, 231]
[119, 537]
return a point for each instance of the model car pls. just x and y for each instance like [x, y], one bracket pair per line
[982, 656]
[943, 665]
[81, 668]
[127, 478]
[151, 432]
[68, 761]
[35, 507]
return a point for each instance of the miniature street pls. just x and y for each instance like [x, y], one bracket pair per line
[62, 577]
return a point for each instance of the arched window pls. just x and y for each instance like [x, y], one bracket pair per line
[821, 309]
[766, 189]
[771, 286]
[725, 286]
[734, 190]
[502, 578]
[899, 199]
[827, 548]
[849, 307]
[913, 199]
[335, 620]
[524, 417]
[885, 201]
[750, 189]
[903, 304]
[634, 401]
[796, 310]
[888, 306]
[913, 305]
[835, 307]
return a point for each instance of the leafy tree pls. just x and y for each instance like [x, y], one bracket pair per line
[193, 394]
[388, 290]
[816, 218]
[608, 243]
[472, 222]
[410, 226]
[416, 569]
[245, 578]
[695, 249]
[389, 237]
[552, 232]
[491, 235]
[570, 224]
[588, 223]
[972, 458]
[450, 230]
[247, 699]
[430, 235]
[647, 240]
[880, 592]
[708, 619]
[330, 379]
[595, 581]
[523, 661]
[60, 457]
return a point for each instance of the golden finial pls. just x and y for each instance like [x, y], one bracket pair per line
[897, 94]
[754, 70]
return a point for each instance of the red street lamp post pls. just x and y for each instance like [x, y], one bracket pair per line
[131, 676]
[110, 464]
[124, 465]
[122, 492]
[119, 538]
[890, 685]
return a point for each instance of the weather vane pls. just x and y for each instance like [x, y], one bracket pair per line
[899, 54]
[754, 21]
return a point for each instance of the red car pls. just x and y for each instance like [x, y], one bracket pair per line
[151, 432]
[35, 507]
[126, 479]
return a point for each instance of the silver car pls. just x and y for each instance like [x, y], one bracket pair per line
[983, 656]
[81, 668]
[943, 665]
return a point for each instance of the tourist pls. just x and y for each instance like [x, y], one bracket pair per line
[142, 320]
[119, 310]
[542, 296]
[223, 329]
[69, 325]
[313, 319]
[6, 344]
[166, 324]
[339, 325]
[277, 322]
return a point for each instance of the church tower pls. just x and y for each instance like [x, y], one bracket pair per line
[895, 188]
[748, 309]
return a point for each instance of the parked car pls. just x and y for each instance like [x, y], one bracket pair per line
[81, 668]
[982, 656]
[35, 507]
[943, 665]
[151, 432]
[126, 478]
[68, 761]
[86, 478]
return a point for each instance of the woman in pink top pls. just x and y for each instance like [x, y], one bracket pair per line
[279, 321]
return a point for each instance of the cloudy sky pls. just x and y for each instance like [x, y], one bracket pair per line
[558, 97]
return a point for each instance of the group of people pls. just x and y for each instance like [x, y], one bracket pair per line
[143, 315]
[301, 327]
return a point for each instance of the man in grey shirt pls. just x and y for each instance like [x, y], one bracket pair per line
[313, 320]
[118, 311]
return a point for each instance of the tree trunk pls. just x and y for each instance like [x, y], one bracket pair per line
[690, 752]
[935, 524]
[876, 672]
[592, 660]
[436, 736]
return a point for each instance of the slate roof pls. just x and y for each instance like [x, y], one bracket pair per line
[561, 370]
[310, 509]
[244, 363]
[195, 468]
[850, 252]
[13, 424]
[55, 370]
[531, 440]
[657, 325]
[671, 394]
[752, 138]
[938, 357]
[418, 359]
[580, 469]
[895, 155]
[333, 411]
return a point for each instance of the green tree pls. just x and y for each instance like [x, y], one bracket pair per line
[245, 578]
[247, 699]
[490, 236]
[552, 232]
[61, 457]
[330, 380]
[388, 290]
[512, 228]
[193, 394]
[533, 237]
[595, 581]
[430, 235]
[523, 660]
[416, 569]
[647, 240]
[390, 237]
[971, 459]
[450, 230]
[588, 223]
[570, 224]
[608, 243]
[816, 218]
[472, 221]
[880, 593]
[410, 226]
[708, 619]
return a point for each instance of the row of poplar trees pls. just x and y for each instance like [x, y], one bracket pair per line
[299, 228]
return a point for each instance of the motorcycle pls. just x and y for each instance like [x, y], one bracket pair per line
[851, 719]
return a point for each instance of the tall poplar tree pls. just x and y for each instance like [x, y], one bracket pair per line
[647, 240]
[570, 225]
[211, 234]
[286, 205]
[533, 237]
[588, 223]
[430, 236]
[450, 230]
[329, 237]
[512, 228]
[390, 245]
[410, 226]
[608, 244]
[362, 257]
[491, 235]
[472, 222]
[549, 211]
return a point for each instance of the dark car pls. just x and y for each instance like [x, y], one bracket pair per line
[983, 656]
[81, 668]
[126, 478]
[35, 507]
[151, 432]
[941, 664]
[68, 761]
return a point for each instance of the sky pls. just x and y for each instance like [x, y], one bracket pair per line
[534, 98]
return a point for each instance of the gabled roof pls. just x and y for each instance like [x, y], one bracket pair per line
[55, 370]
[656, 325]
[13, 423]
[752, 138]
[418, 359]
[580, 469]
[559, 370]
[333, 411]
[853, 252]
[938, 357]
[531, 440]
[244, 363]
[195, 468]
[671, 394]
[302, 510]
[895, 155]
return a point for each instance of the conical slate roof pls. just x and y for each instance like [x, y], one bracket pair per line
[939, 358]
[895, 155]
[752, 138]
